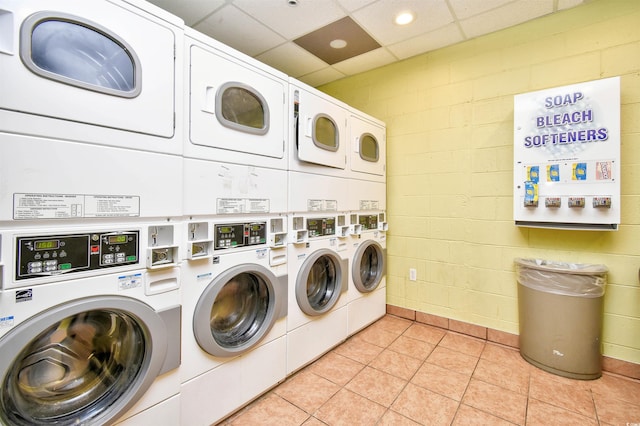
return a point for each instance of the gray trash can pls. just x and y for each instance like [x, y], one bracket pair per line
[560, 315]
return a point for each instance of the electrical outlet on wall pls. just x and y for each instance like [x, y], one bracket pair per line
[413, 274]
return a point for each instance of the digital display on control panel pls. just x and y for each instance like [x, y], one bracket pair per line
[117, 239]
[47, 244]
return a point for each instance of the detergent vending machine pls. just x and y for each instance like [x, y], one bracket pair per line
[567, 157]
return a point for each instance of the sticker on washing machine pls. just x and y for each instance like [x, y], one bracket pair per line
[127, 282]
[261, 253]
[24, 295]
[7, 321]
[369, 205]
[315, 205]
[112, 206]
[242, 205]
[65, 206]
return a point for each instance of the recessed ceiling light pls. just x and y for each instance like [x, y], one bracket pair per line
[338, 43]
[404, 18]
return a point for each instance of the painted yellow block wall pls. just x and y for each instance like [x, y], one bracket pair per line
[450, 167]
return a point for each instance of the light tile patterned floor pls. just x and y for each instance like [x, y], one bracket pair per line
[399, 372]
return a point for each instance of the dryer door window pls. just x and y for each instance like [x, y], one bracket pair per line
[240, 310]
[75, 370]
[368, 267]
[240, 107]
[369, 149]
[80, 54]
[325, 133]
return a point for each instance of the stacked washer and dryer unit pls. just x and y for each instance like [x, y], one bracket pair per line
[318, 224]
[337, 240]
[367, 203]
[89, 264]
[235, 205]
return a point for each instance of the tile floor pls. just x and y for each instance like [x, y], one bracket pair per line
[399, 372]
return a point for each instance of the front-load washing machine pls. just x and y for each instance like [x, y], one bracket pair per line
[88, 333]
[318, 270]
[88, 110]
[367, 278]
[318, 141]
[234, 307]
[236, 106]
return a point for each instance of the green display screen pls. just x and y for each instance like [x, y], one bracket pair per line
[47, 244]
[117, 239]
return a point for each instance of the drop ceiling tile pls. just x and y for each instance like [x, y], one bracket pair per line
[190, 11]
[433, 40]
[377, 19]
[292, 60]
[506, 16]
[464, 9]
[352, 5]
[291, 22]
[366, 61]
[253, 39]
[323, 76]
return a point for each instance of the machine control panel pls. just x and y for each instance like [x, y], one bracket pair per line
[240, 234]
[39, 256]
[319, 227]
[368, 221]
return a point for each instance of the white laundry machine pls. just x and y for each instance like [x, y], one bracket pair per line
[88, 110]
[318, 271]
[237, 106]
[234, 307]
[367, 147]
[89, 334]
[367, 276]
[236, 138]
[367, 185]
[318, 141]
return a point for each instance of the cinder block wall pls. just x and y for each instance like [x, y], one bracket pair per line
[450, 167]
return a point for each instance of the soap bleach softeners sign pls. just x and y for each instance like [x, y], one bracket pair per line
[567, 156]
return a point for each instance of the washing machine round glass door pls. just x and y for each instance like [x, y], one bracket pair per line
[320, 282]
[236, 310]
[83, 362]
[368, 266]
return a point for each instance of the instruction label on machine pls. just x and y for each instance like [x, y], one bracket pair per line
[69, 206]
[242, 205]
[316, 205]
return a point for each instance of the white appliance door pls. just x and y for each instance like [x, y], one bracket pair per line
[368, 147]
[320, 282]
[86, 361]
[88, 62]
[234, 106]
[368, 266]
[320, 134]
[237, 309]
